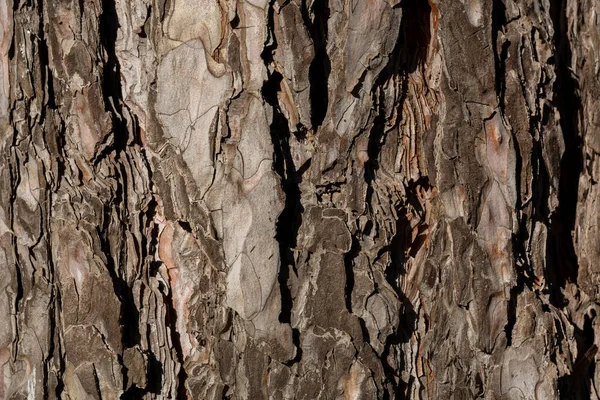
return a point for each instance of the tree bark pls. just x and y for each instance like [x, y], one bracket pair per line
[299, 199]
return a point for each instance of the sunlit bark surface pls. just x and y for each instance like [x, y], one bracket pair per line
[299, 199]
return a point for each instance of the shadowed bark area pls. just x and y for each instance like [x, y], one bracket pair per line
[299, 199]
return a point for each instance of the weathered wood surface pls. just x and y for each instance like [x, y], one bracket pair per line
[300, 199]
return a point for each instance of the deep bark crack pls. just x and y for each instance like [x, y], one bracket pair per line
[320, 66]
[290, 219]
[563, 258]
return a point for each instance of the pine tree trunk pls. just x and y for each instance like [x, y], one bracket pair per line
[299, 199]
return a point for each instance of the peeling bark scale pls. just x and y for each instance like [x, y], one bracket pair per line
[299, 199]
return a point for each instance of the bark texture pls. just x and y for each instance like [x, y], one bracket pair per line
[299, 199]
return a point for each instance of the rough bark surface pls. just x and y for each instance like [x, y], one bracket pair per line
[299, 199]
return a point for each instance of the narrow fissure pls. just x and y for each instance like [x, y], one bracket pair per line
[320, 66]
[406, 329]
[14, 181]
[561, 255]
[97, 382]
[45, 72]
[349, 269]
[111, 72]
[520, 259]
[399, 246]
[171, 322]
[60, 385]
[498, 23]
[512, 309]
[577, 385]
[290, 219]
[562, 258]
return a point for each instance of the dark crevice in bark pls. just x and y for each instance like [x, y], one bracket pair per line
[81, 4]
[320, 67]
[97, 382]
[562, 258]
[269, 49]
[45, 69]
[398, 247]
[129, 314]
[60, 385]
[520, 237]
[55, 305]
[511, 309]
[111, 74]
[290, 219]
[401, 247]
[541, 178]
[285, 316]
[235, 22]
[49, 355]
[349, 268]
[116, 264]
[377, 133]
[154, 374]
[561, 255]
[111, 89]
[149, 242]
[540, 192]
[54, 139]
[364, 330]
[15, 178]
[403, 334]
[404, 388]
[409, 52]
[375, 141]
[524, 269]
[185, 226]
[133, 393]
[149, 247]
[296, 340]
[171, 322]
[53, 317]
[396, 386]
[414, 37]
[126, 395]
[145, 28]
[522, 266]
[578, 383]
[498, 23]
[500, 55]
